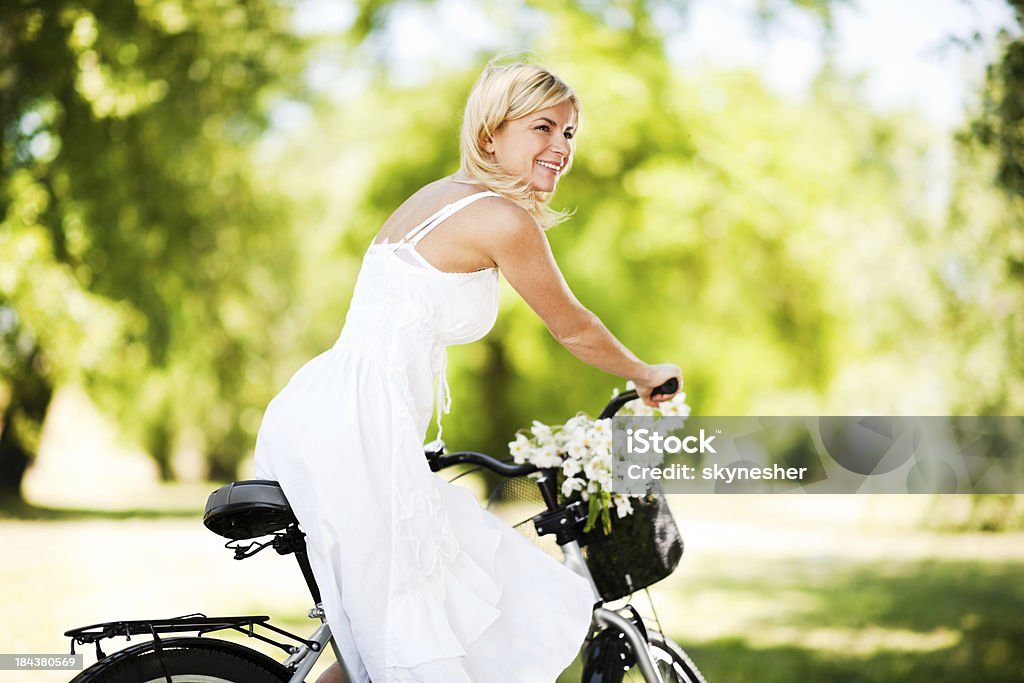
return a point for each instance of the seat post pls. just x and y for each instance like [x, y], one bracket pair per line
[307, 573]
[294, 541]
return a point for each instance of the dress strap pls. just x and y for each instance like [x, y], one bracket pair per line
[423, 229]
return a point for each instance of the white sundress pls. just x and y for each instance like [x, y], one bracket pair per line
[419, 583]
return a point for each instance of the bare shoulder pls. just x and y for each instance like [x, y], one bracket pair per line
[504, 221]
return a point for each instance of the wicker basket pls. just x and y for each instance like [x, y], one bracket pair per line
[642, 548]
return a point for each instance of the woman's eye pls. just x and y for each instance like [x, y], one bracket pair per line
[543, 127]
[569, 135]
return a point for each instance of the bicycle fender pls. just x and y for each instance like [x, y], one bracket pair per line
[177, 643]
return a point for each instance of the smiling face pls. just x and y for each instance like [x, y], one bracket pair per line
[537, 146]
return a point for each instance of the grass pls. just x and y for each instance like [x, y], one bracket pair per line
[875, 621]
[770, 590]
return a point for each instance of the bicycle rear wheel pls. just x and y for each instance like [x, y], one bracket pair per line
[186, 660]
[674, 665]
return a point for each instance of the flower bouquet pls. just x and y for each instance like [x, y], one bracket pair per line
[642, 544]
[582, 449]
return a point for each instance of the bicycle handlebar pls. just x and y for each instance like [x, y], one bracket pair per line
[439, 460]
[669, 387]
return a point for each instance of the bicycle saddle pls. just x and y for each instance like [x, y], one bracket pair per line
[247, 509]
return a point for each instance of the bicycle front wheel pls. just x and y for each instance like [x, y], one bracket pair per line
[186, 660]
[672, 662]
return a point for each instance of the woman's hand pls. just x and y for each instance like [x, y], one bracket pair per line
[655, 376]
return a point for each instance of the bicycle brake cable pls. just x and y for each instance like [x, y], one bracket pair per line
[650, 601]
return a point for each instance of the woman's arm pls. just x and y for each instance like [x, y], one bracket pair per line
[519, 248]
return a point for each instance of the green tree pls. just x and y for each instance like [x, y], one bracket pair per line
[984, 274]
[999, 123]
[136, 256]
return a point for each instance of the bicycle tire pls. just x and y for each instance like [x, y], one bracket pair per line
[187, 660]
[674, 665]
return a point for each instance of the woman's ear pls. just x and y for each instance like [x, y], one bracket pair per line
[487, 143]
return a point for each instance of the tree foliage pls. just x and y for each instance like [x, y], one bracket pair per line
[136, 256]
[983, 275]
[1000, 124]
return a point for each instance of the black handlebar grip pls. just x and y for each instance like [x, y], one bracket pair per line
[669, 387]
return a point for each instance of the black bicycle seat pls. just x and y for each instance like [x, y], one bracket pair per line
[247, 509]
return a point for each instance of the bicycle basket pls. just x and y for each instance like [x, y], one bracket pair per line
[642, 548]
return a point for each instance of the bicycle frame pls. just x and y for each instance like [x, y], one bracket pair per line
[305, 657]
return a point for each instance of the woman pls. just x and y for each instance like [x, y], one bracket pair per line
[419, 584]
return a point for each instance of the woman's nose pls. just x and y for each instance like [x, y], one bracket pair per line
[561, 146]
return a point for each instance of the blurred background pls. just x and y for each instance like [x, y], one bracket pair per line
[813, 206]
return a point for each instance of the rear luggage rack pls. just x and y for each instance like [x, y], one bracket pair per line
[200, 624]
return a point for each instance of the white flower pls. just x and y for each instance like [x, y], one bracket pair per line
[550, 456]
[541, 431]
[570, 468]
[574, 423]
[570, 485]
[578, 452]
[520, 449]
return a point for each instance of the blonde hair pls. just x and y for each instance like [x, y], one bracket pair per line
[506, 92]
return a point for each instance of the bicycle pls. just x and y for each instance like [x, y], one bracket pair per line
[619, 648]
